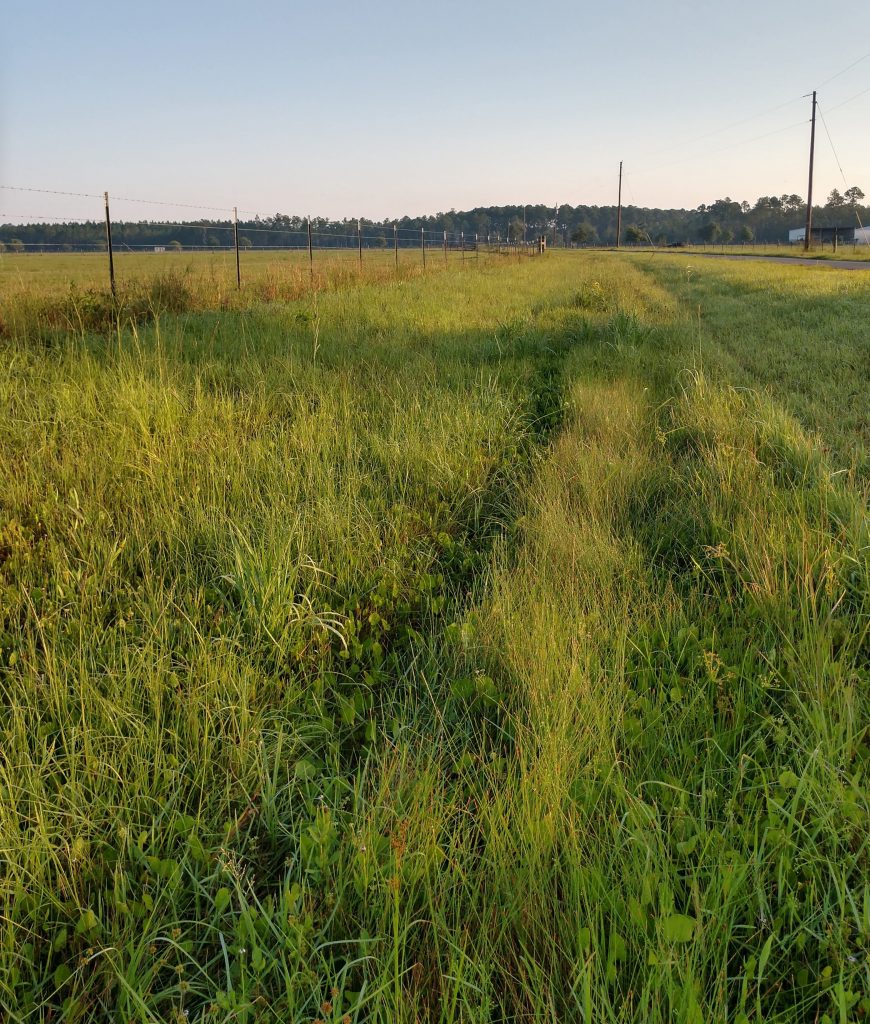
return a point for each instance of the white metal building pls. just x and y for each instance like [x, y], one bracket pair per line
[845, 236]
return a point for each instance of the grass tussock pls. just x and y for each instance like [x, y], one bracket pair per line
[485, 647]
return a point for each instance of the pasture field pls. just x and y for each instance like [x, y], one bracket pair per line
[484, 646]
[209, 274]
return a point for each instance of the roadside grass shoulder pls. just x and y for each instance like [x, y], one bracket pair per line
[849, 252]
[795, 334]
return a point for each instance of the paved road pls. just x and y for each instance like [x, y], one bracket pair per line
[830, 264]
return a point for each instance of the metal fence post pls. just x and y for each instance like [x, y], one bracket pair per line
[423, 245]
[445, 246]
[109, 246]
[396, 243]
[359, 239]
[310, 250]
[236, 243]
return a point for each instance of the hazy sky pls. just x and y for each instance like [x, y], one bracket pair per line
[388, 107]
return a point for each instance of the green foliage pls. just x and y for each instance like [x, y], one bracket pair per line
[710, 232]
[584, 233]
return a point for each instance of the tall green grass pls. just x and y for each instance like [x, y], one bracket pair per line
[451, 649]
[46, 294]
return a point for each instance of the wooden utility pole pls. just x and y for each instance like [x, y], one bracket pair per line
[236, 243]
[808, 236]
[619, 208]
[109, 246]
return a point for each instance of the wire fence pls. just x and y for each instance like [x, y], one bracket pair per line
[313, 235]
[308, 237]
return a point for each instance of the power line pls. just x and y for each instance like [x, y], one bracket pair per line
[700, 138]
[723, 149]
[833, 148]
[837, 159]
[760, 113]
[857, 95]
[719, 131]
[387, 224]
[843, 72]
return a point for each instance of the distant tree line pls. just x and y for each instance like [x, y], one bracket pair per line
[725, 220]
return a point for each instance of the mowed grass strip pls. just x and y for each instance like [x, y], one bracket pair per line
[796, 334]
[460, 649]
